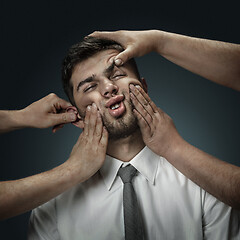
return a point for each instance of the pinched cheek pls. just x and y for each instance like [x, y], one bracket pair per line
[128, 80]
[89, 99]
[134, 82]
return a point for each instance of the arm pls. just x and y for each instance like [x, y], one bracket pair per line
[214, 60]
[219, 178]
[22, 195]
[41, 114]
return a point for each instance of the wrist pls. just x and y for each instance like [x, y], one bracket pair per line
[17, 119]
[23, 118]
[159, 39]
[173, 150]
[152, 40]
[72, 170]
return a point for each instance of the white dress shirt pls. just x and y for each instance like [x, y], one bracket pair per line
[172, 206]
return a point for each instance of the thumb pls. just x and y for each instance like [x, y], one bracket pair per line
[66, 117]
[124, 56]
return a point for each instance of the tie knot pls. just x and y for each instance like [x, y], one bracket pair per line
[127, 173]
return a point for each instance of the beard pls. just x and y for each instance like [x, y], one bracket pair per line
[123, 126]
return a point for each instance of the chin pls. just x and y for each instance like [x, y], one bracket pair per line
[122, 127]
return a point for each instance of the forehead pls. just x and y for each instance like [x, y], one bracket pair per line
[93, 65]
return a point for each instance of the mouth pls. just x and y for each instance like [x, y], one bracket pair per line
[116, 107]
[114, 100]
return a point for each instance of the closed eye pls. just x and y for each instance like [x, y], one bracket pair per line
[89, 88]
[118, 75]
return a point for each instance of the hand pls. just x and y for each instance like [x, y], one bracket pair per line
[48, 112]
[158, 130]
[90, 150]
[135, 43]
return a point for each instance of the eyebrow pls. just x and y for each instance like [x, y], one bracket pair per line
[87, 80]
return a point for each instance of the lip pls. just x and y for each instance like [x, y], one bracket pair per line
[114, 100]
[116, 113]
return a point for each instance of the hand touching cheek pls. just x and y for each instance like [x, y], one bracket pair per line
[158, 130]
[89, 152]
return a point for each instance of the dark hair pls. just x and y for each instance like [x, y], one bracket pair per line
[80, 52]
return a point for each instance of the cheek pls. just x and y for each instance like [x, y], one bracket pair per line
[125, 84]
[88, 99]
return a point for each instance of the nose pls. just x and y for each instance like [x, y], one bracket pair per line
[108, 88]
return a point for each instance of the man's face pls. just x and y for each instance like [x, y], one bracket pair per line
[97, 80]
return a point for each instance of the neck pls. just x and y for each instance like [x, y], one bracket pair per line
[127, 148]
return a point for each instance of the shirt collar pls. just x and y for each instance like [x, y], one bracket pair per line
[146, 162]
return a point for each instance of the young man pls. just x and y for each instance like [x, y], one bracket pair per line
[110, 100]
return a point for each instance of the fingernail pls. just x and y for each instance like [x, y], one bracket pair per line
[137, 86]
[94, 105]
[118, 62]
[88, 108]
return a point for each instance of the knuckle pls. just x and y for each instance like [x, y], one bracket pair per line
[137, 93]
[144, 123]
[145, 114]
[98, 134]
[102, 145]
[64, 118]
[145, 103]
[52, 95]
[150, 120]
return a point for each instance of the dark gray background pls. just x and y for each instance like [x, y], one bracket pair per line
[34, 38]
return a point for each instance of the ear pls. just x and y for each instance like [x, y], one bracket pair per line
[79, 122]
[144, 83]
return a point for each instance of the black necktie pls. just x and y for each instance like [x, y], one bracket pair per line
[132, 216]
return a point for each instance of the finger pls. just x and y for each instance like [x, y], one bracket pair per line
[143, 99]
[100, 34]
[62, 118]
[99, 127]
[57, 127]
[141, 110]
[92, 120]
[147, 98]
[142, 123]
[57, 102]
[124, 56]
[86, 121]
[104, 138]
[140, 102]
[62, 104]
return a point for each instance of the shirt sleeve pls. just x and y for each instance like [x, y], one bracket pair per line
[43, 223]
[220, 221]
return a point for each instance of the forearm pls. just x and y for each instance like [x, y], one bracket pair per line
[219, 178]
[11, 120]
[213, 60]
[22, 195]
